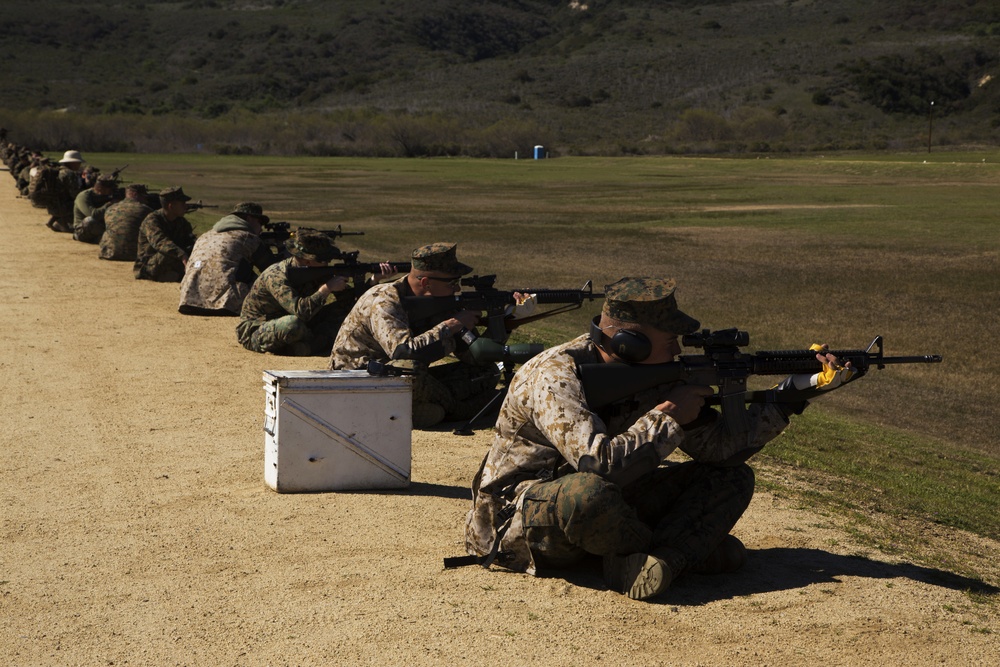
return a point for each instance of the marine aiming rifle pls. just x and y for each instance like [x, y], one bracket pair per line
[492, 347]
[485, 298]
[724, 365]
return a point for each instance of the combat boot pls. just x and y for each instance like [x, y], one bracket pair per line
[426, 415]
[729, 556]
[640, 576]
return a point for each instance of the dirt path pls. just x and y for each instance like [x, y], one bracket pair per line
[136, 528]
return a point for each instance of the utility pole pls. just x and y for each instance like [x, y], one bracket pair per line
[930, 124]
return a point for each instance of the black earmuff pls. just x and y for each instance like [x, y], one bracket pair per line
[631, 347]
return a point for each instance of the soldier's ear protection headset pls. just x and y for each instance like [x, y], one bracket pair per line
[632, 347]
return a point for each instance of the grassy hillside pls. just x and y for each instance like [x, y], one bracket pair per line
[599, 77]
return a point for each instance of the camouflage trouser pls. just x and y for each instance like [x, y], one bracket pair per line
[687, 508]
[88, 232]
[62, 213]
[461, 389]
[160, 268]
[319, 333]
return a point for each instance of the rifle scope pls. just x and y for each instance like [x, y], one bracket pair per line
[721, 338]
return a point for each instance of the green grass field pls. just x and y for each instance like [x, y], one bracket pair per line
[831, 249]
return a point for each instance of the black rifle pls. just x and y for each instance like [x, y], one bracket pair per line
[118, 172]
[196, 205]
[277, 232]
[302, 275]
[725, 366]
[493, 302]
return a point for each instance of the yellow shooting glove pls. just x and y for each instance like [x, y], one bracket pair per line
[830, 377]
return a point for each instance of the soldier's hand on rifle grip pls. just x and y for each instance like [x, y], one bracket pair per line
[465, 319]
[335, 284]
[684, 402]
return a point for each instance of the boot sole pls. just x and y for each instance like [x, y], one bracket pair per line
[639, 576]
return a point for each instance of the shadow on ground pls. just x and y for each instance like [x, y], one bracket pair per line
[779, 569]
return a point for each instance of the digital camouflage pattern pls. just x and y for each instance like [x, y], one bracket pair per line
[277, 314]
[649, 301]
[439, 257]
[313, 245]
[545, 428]
[219, 272]
[378, 325]
[120, 240]
[161, 248]
[378, 328]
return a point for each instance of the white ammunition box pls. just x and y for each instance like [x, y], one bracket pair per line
[336, 431]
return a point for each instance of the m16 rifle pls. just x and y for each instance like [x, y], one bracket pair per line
[350, 268]
[198, 205]
[724, 365]
[496, 304]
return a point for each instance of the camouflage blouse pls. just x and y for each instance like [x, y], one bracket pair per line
[545, 427]
[379, 328]
[273, 296]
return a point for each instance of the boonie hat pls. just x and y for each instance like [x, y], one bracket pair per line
[648, 301]
[250, 208]
[71, 156]
[439, 257]
[173, 194]
[313, 245]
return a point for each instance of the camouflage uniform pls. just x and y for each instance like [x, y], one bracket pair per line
[161, 247]
[61, 206]
[277, 314]
[88, 223]
[379, 328]
[564, 481]
[121, 233]
[220, 270]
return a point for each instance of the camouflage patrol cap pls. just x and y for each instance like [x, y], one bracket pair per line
[107, 179]
[648, 301]
[439, 257]
[137, 189]
[173, 194]
[313, 245]
[250, 208]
